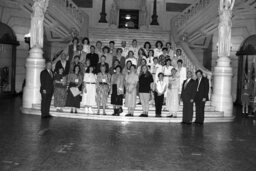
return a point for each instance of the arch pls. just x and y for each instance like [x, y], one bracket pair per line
[248, 47]
[7, 35]
[246, 52]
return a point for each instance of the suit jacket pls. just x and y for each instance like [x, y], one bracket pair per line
[59, 65]
[188, 92]
[46, 82]
[203, 89]
[99, 65]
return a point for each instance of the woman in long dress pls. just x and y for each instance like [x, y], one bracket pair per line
[167, 71]
[59, 90]
[117, 91]
[89, 90]
[131, 81]
[75, 80]
[172, 99]
[102, 89]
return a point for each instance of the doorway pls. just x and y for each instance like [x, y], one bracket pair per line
[247, 69]
[129, 19]
[8, 45]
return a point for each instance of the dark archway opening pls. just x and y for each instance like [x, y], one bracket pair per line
[8, 44]
[247, 68]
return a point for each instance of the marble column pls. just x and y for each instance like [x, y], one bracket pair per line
[35, 62]
[103, 13]
[34, 65]
[154, 16]
[222, 86]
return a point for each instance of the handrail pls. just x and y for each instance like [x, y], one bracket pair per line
[71, 8]
[189, 12]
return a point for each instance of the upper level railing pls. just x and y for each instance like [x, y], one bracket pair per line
[61, 18]
[71, 8]
[192, 10]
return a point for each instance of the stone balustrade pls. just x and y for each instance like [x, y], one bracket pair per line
[192, 10]
[70, 7]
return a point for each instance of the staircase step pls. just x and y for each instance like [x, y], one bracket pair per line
[118, 35]
[123, 119]
[137, 112]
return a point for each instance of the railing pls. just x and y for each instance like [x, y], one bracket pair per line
[71, 8]
[192, 10]
[189, 58]
[192, 63]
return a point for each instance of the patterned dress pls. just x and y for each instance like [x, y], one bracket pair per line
[131, 83]
[60, 94]
[102, 89]
[73, 81]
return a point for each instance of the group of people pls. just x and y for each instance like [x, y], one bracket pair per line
[86, 75]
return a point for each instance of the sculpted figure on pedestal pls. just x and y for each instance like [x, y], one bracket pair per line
[144, 16]
[225, 25]
[113, 13]
[37, 23]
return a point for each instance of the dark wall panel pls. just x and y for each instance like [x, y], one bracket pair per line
[176, 7]
[84, 3]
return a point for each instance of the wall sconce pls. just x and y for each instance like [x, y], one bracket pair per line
[27, 39]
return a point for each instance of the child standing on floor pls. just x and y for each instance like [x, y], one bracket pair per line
[159, 90]
[245, 99]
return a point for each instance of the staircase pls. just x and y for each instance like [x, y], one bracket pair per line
[118, 35]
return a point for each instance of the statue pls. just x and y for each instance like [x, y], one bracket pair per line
[144, 17]
[144, 20]
[113, 13]
[225, 25]
[37, 23]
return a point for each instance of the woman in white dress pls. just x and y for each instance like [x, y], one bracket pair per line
[86, 45]
[167, 71]
[89, 93]
[172, 99]
[158, 49]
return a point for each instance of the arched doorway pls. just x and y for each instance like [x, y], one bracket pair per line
[8, 44]
[247, 67]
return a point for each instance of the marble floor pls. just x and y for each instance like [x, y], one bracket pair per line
[29, 143]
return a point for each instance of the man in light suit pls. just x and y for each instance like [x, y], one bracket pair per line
[46, 89]
[188, 93]
[202, 90]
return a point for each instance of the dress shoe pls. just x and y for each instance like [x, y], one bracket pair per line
[75, 111]
[158, 116]
[198, 123]
[183, 123]
[47, 117]
[170, 116]
[130, 115]
[104, 114]
[143, 115]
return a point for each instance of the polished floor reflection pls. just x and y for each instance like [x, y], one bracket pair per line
[29, 143]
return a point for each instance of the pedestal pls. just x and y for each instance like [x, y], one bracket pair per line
[34, 65]
[222, 86]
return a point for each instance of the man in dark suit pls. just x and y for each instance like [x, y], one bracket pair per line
[62, 63]
[46, 89]
[202, 90]
[188, 93]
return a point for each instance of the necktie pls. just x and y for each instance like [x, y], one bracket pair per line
[199, 81]
[186, 83]
[50, 73]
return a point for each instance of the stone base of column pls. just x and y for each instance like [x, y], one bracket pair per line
[222, 83]
[34, 65]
